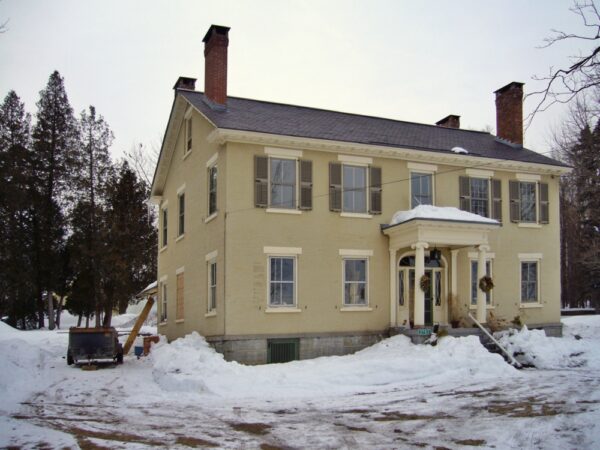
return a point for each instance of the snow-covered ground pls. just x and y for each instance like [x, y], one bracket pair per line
[391, 395]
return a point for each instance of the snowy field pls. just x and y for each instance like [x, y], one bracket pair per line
[391, 395]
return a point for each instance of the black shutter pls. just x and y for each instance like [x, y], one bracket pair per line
[375, 190]
[305, 185]
[464, 193]
[496, 200]
[544, 204]
[335, 186]
[515, 201]
[261, 181]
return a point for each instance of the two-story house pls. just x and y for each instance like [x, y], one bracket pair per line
[292, 232]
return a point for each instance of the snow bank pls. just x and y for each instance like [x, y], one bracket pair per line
[191, 365]
[576, 349]
[460, 150]
[439, 213]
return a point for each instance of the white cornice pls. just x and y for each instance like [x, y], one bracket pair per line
[223, 135]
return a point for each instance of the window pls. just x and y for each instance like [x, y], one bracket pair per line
[283, 183]
[421, 189]
[212, 286]
[164, 227]
[163, 303]
[282, 289]
[354, 188]
[179, 297]
[529, 282]
[475, 281]
[529, 202]
[482, 196]
[181, 229]
[355, 282]
[212, 190]
[188, 135]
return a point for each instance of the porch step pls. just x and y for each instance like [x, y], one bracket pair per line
[493, 348]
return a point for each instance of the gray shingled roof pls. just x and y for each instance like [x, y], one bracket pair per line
[300, 121]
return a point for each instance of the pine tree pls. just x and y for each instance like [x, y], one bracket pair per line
[15, 123]
[55, 138]
[131, 240]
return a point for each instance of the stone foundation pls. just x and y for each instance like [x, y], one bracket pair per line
[253, 349]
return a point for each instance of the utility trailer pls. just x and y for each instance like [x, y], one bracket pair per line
[87, 345]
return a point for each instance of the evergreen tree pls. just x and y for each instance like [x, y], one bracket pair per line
[55, 138]
[131, 240]
[15, 123]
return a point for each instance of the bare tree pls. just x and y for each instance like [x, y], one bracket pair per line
[142, 159]
[563, 84]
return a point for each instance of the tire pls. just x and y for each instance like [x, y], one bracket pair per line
[69, 359]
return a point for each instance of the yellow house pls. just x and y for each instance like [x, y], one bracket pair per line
[291, 232]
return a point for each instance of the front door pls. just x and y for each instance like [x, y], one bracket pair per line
[429, 299]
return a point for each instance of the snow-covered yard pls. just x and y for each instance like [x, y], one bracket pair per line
[391, 395]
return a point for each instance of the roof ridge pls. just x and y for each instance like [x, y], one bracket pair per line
[351, 114]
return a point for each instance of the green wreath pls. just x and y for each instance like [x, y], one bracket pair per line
[424, 282]
[486, 284]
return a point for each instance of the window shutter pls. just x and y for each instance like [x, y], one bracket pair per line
[375, 190]
[496, 200]
[515, 201]
[465, 193]
[261, 181]
[544, 205]
[306, 185]
[335, 187]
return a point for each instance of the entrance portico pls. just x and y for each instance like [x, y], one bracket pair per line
[451, 230]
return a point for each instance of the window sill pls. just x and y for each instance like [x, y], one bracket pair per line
[529, 225]
[163, 324]
[530, 305]
[211, 314]
[186, 154]
[162, 249]
[356, 215]
[282, 310]
[180, 237]
[283, 211]
[356, 309]
[474, 307]
[211, 217]
[180, 321]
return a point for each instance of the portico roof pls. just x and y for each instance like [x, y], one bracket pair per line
[439, 226]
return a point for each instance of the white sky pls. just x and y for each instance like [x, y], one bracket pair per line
[415, 61]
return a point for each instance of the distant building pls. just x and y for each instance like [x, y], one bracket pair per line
[276, 232]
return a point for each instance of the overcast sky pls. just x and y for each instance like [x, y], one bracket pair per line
[409, 60]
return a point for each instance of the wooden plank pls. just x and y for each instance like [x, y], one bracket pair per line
[138, 324]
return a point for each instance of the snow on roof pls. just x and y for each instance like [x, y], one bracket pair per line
[460, 150]
[439, 213]
[151, 287]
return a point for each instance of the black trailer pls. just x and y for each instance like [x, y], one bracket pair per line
[88, 345]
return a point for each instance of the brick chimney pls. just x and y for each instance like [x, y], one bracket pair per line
[185, 83]
[509, 112]
[216, 41]
[450, 121]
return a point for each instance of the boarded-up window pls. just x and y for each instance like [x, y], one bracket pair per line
[179, 315]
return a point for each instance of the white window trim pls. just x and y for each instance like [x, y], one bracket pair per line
[528, 177]
[187, 118]
[356, 215]
[283, 153]
[282, 251]
[355, 253]
[162, 283]
[360, 256]
[473, 256]
[180, 192]
[212, 160]
[488, 179]
[536, 258]
[420, 167]
[354, 308]
[180, 270]
[422, 172]
[479, 173]
[355, 160]
[282, 310]
[293, 307]
[271, 209]
[212, 255]
[209, 262]
[164, 242]
[211, 217]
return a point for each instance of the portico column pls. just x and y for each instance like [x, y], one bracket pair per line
[481, 272]
[419, 248]
[393, 277]
[453, 286]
